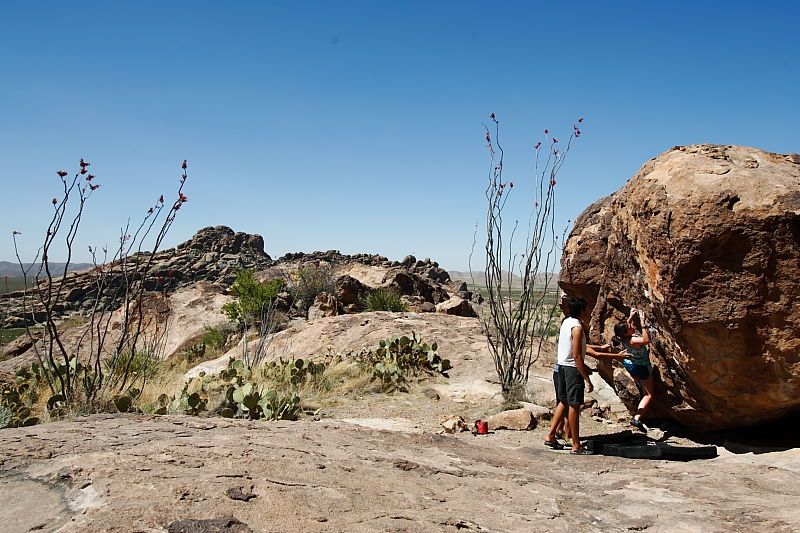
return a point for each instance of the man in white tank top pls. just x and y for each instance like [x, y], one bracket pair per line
[573, 376]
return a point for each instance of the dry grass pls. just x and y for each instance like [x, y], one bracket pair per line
[169, 382]
[341, 379]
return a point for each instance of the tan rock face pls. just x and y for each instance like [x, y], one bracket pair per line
[705, 240]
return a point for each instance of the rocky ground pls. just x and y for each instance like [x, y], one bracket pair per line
[377, 462]
[180, 473]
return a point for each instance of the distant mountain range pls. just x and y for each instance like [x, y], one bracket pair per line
[516, 281]
[13, 270]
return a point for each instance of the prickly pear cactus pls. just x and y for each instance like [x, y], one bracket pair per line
[5, 416]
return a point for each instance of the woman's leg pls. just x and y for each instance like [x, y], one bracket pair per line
[648, 392]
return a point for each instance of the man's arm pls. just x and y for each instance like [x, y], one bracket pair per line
[591, 350]
[577, 355]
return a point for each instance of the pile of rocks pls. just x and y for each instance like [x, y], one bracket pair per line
[425, 268]
[213, 254]
[216, 254]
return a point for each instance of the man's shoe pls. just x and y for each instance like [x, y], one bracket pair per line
[553, 444]
[582, 451]
[638, 424]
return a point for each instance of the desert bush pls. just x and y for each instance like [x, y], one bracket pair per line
[213, 338]
[78, 378]
[144, 365]
[294, 372]
[513, 398]
[312, 281]
[395, 361]
[272, 321]
[235, 394]
[9, 334]
[252, 296]
[511, 330]
[384, 300]
[16, 403]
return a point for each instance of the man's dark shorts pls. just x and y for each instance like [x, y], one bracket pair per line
[556, 383]
[570, 385]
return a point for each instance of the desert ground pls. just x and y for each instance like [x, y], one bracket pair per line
[379, 462]
[376, 466]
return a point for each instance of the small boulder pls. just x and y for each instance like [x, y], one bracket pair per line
[324, 305]
[456, 306]
[516, 419]
[431, 393]
[426, 307]
[454, 424]
[349, 291]
[540, 413]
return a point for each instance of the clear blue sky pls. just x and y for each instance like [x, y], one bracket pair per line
[357, 125]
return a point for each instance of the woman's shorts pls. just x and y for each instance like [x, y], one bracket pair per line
[638, 371]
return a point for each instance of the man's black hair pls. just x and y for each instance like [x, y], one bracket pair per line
[575, 306]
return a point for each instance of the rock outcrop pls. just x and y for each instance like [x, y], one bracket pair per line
[704, 239]
[213, 254]
[217, 254]
[425, 268]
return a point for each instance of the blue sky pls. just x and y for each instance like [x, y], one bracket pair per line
[358, 125]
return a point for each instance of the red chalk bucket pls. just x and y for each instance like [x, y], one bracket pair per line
[481, 427]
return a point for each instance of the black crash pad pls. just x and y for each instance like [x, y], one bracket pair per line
[632, 446]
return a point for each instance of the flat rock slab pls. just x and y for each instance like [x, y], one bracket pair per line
[402, 425]
[146, 473]
[32, 505]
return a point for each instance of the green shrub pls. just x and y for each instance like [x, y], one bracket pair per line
[312, 281]
[142, 365]
[15, 404]
[214, 338]
[384, 300]
[239, 396]
[252, 297]
[398, 359]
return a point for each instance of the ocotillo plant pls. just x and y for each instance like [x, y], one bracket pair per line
[510, 328]
[100, 363]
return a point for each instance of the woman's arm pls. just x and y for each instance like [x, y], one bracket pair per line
[637, 341]
[631, 315]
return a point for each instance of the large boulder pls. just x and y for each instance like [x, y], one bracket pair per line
[705, 240]
[350, 292]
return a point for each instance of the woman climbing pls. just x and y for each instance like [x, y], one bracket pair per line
[637, 363]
